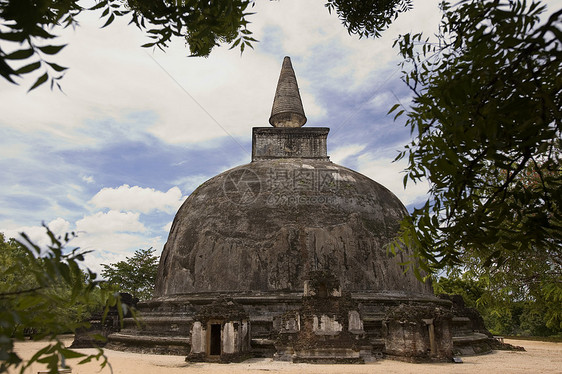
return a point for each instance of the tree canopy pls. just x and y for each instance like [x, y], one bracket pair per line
[44, 293]
[487, 135]
[486, 114]
[29, 27]
[136, 275]
[508, 307]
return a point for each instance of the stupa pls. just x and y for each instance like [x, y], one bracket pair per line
[286, 257]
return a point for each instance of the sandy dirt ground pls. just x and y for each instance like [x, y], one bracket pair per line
[540, 357]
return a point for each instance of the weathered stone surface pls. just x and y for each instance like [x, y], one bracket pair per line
[268, 143]
[470, 335]
[418, 333]
[327, 327]
[231, 338]
[467, 320]
[287, 110]
[198, 338]
[264, 226]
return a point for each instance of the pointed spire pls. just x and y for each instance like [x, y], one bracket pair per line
[287, 108]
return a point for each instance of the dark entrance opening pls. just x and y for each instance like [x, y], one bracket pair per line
[215, 346]
[322, 290]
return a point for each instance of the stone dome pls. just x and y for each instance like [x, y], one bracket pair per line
[265, 225]
[285, 257]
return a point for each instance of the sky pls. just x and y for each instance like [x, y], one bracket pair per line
[137, 130]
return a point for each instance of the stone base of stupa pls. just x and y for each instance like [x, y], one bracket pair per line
[353, 328]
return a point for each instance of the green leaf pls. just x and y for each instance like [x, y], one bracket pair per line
[235, 43]
[29, 68]
[49, 360]
[51, 49]
[393, 108]
[20, 55]
[109, 21]
[42, 33]
[39, 353]
[99, 5]
[42, 79]
[29, 302]
[13, 36]
[86, 360]
[57, 67]
[68, 353]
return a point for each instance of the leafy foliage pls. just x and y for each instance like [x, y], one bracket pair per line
[44, 293]
[522, 293]
[28, 23]
[136, 275]
[506, 309]
[486, 114]
[32, 24]
[368, 17]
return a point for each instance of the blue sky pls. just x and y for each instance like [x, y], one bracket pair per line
[136, 130]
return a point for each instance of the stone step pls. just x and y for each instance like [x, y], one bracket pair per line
[159, 319]
[469, 338]
[262, 342]
[149, 339]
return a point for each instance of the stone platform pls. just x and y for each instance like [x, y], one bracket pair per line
[290, 326]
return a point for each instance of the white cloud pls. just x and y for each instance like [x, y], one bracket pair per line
[193, 100]
[38, 234]
[88, 179]
[166, 228]
[191, 182]
[313, 110]
[339, 154]
[139, 199]
[10, 149]
[112, 221]
[305, 29]
[114, 248]
[389, 174]
[110, 236]
[103, 86]
[246, 86]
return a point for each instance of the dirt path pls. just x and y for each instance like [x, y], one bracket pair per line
[540, 357]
